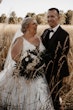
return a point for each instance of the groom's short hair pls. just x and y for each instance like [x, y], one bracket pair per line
[54, 9]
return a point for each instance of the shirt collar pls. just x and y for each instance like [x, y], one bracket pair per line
[55, 28]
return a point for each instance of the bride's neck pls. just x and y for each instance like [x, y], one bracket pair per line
[28, 35]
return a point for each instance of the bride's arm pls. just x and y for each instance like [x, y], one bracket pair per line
[16, 49]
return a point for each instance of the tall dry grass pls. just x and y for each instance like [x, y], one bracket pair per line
[6, 35]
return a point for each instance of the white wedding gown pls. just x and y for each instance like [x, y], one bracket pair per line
[19, 92]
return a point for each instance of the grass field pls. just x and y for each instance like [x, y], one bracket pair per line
[6, 34]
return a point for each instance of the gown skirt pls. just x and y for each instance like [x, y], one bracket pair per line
[23, 86]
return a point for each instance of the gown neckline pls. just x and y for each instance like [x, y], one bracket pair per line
[30, 43]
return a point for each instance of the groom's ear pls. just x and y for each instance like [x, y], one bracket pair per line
[59, 17]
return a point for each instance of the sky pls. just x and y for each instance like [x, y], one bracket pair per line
[22, 7]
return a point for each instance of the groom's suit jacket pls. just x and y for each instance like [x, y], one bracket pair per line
[56, 54]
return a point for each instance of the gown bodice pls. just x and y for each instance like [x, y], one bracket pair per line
[28, 46]
[31, 60]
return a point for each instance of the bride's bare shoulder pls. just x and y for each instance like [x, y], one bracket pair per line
[19, 39]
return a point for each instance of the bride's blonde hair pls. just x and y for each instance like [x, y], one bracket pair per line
[26, 22]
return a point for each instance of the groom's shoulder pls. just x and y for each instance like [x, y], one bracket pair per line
[64, 31]
[46, 30]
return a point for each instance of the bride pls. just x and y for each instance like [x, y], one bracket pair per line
[22, 82]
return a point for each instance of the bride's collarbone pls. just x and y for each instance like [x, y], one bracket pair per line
[35, 44]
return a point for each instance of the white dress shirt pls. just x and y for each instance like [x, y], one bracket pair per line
[54, 30]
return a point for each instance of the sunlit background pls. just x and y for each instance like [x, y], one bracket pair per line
[22, 7]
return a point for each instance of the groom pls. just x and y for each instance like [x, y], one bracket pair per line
[56, 42]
